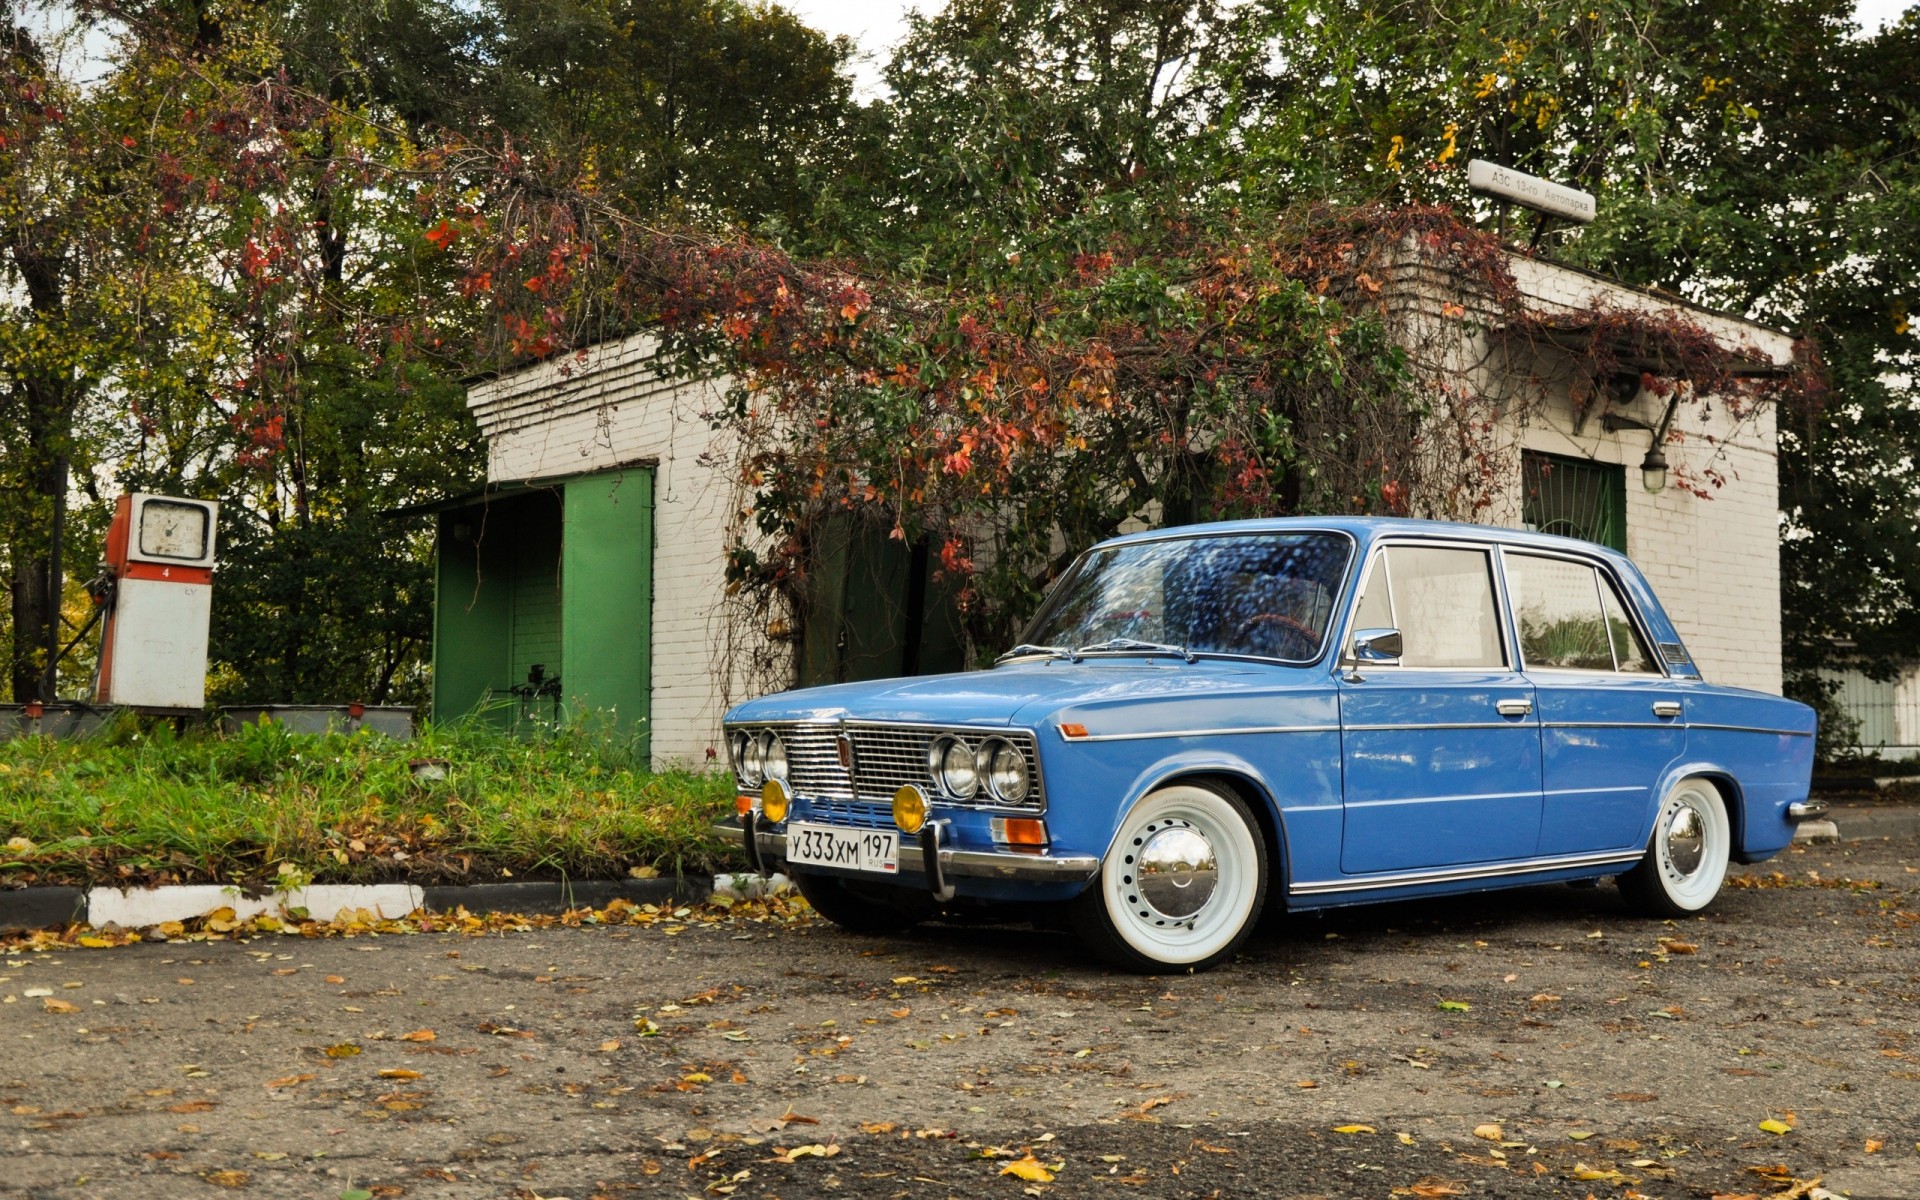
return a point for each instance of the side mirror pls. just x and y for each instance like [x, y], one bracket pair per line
[1377, 646]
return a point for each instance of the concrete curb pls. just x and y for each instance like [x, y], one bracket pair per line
[1856, 821]
[24, 909]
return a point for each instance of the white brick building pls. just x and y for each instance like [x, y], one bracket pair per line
[604, 416]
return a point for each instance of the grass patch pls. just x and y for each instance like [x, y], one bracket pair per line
[139, 803]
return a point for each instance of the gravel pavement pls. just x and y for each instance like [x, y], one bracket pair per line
[1532, 1043]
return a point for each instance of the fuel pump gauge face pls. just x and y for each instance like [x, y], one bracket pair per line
[171, 530]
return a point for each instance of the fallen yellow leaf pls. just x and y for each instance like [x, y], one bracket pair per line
[1355, 1129]
[288, 1080]
[1029, 1168]
[418, 1035]
[398, 1073]
[1489, 1132]
[1586, 1174]
[1775, 1127]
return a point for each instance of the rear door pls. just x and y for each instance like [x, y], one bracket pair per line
[1442, 750]
[1610, 719]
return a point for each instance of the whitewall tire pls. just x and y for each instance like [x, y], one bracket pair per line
[1687, 853]
[1182, 885]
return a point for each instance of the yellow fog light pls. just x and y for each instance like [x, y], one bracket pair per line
[773, 800]
[909, 809]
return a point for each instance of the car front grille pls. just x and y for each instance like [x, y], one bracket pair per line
[886, 758]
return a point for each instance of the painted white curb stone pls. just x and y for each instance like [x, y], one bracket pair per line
[746, 885]
[1816, 831]
[140, 908]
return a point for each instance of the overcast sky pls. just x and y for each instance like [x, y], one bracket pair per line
[875, 25]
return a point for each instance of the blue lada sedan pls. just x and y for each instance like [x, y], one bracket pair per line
[1205, 721]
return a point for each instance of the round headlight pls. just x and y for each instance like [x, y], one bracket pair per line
[959, 769]
[751, 773]
[737, 752]
[773, 756]
[1006, 772]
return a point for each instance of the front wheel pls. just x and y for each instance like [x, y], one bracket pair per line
[860, 907]
[1181, 887]
[1686, 859]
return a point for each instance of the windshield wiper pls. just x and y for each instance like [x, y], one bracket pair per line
[1028, 649]
[1135, 644]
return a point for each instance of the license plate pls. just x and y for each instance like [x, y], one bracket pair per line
[873, 850]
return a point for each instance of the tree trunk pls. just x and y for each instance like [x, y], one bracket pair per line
[48, 419]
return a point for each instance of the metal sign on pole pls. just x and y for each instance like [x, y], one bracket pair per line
[1531, 191]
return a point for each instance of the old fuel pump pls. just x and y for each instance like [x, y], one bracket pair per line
[157, 592]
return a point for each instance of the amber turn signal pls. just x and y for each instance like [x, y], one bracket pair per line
[773, 800]
[743, 805]
[909, 809]
[1023, 831]
[1073, 730]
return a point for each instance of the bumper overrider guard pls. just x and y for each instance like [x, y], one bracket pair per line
[937, 862]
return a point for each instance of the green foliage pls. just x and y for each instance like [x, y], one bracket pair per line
[1838, 738]
[143, 803]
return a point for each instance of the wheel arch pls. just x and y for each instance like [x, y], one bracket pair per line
[1732, 796]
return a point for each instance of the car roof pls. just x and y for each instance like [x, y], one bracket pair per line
[1367, 529]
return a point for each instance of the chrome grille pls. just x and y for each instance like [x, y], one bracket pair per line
[885, 758]
[813, 761]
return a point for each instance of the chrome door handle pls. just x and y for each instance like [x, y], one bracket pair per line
[1513, 708]
[1666, 708]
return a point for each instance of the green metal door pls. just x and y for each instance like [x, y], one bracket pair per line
[606, 609]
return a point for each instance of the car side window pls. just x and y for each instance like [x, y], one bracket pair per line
[1442, 602]
[1630, 653]
[1571, 618]
[1375, 610]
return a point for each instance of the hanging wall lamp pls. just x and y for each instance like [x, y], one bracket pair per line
[1653, 468]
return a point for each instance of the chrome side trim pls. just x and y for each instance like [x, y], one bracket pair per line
[1361, 883]
[1615, 725]
[1751, 729]
[1443, 725]
[974, 864]
[1181, 733]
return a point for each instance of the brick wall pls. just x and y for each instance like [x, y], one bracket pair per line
[608, 409]
[1715, 562]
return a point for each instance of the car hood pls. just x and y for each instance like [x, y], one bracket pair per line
[1025, 693]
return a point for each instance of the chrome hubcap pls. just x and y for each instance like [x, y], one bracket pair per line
[1176, 872]
[1686, 840]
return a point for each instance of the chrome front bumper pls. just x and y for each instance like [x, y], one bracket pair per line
[769, 847]
[1807, 810]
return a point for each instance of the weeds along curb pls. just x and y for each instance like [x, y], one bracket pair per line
[26, 909]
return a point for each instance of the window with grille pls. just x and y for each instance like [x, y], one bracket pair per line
[1574, 497]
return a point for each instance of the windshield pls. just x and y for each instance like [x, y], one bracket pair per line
[1268, 595]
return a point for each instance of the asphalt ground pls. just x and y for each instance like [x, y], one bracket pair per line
[751, 1052]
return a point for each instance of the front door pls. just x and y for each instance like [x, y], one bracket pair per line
[1442, 750]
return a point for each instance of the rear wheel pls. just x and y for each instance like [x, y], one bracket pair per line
[860, 907]
[1182, 886]
[1686, 859]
